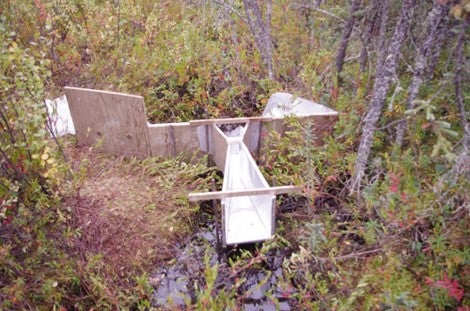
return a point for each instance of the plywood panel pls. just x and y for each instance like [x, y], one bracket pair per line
[218, 146]
[170, 139]
[115, 121]
[252, 136]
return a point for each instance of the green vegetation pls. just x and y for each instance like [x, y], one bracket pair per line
[401, 242]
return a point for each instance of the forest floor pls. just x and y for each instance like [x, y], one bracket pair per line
[125, 209]
[134, 215]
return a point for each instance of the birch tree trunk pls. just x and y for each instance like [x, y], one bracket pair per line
[436, 47]
[458, 86]
[347, 30]
[382, 39]
[433, 20]
[461, 166]
[386, 69]
[261, 30]
[369, 21]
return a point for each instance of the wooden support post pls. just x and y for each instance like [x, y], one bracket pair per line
[216, 219]
[273, 219]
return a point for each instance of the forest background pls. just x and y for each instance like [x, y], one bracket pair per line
[387, 194]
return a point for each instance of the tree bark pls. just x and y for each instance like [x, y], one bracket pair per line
[366, 36]
[436, 47]
[459, 59]
[347, 30]
[433, 20]
[382, 39]
[261, 30]
[382, 84]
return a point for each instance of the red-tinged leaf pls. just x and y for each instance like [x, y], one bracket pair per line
[428, 281]
[331, 178]
[334, 93]
[7, 220]
[394, 182]
[453, 288]
[425, 125]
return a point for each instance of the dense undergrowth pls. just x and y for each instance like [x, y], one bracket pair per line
[402, 242]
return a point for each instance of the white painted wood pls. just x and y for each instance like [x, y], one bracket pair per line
[218, 195]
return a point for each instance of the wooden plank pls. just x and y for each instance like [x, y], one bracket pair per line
[169, 139]
[226, 121]
[251, 119]
[114, 121]
[218, 146]
[240, 193]
[258, 127]
[252, 136]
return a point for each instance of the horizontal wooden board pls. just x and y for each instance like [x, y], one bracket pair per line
[252, 119]
[170, 139]
[219, 195]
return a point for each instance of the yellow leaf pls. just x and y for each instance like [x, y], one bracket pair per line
[466, 6]
[457, 11]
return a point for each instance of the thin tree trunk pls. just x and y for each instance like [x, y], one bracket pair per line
[382, 39]
[458, 86]
[366, 36]
[382, 83]
[433, 20]
[347, 30]
[436, 47]
[461, 166]
[261, 30]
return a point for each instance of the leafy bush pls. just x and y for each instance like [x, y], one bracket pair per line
[399, 244]
[34, 268]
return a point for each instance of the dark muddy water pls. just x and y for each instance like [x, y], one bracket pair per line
[177, 284]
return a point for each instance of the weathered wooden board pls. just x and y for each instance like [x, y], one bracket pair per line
[239, 193]
[217, 146]
[115, 121]
[170, 139]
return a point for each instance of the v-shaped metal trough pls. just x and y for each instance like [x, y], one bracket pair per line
[248, 202]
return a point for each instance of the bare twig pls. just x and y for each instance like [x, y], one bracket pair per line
[349, 256]
[313, 7]
[393, 123]
[230, 8]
